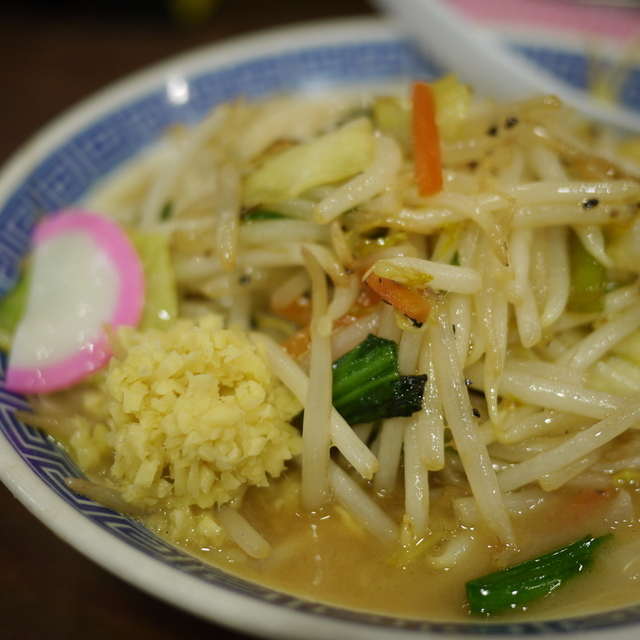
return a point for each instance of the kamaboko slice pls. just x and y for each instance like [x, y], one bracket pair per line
[85, 275]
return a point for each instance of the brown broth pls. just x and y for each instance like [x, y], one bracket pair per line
[326, 557]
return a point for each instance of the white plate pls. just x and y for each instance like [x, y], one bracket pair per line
[57, 168]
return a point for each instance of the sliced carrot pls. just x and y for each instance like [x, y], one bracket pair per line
[426, 140]
[298, 311]
[298, 344]
[407, 300]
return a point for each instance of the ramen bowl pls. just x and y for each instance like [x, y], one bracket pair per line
[65, 161]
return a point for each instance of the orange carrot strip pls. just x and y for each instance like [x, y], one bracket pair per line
[299, 343]
[299, 311]
[426, 141]
[407, 300]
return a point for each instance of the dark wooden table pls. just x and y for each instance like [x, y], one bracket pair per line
[52, 54]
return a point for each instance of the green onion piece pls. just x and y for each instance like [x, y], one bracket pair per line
[257, 215]
[517, 585]
[367, 385]
[167, 210]
[588, 281]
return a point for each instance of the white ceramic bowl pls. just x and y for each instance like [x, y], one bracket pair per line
[58, 167]
[497, 61]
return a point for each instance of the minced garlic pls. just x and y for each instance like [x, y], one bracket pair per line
[196, 417]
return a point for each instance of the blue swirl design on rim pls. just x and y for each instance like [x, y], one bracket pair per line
[74, 167]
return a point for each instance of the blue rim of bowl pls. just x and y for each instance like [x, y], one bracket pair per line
[64, 161]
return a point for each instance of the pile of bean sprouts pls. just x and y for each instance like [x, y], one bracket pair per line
[514, 378]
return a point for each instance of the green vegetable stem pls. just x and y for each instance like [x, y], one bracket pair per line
[523, 582]
[258, 214]
[588, 280]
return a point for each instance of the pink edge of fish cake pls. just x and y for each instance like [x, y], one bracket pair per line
[112, 240]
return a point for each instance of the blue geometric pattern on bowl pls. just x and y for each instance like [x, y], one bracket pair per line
[571, 67]
[73, 168]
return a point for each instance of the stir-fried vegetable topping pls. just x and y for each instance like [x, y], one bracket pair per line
[367, 384]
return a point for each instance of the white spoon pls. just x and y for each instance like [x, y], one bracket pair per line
[478, 58]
